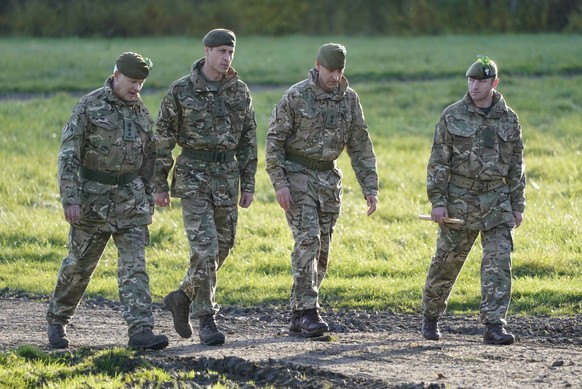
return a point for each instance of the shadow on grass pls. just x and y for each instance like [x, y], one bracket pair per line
[161, 235]
[31, 239]
[45, 256]
[538, 270]
[543, 302]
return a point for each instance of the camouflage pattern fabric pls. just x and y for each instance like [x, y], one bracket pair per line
[483, 148]
[85, 250]
[317, 125]
[312, 232]
[112, 136]
[453, 247]
[197, 114]
[469, 143]
[211, 232]
[109, 135]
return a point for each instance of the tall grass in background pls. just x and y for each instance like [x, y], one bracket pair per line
[71, 64]
[377, 262]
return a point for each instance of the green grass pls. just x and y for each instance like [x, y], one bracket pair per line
[48, 65]
[29, 367]
[377, 262]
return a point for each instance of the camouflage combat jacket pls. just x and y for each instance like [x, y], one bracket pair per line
[482, 148]
[318, 125]
[115, 137]
[195, 115]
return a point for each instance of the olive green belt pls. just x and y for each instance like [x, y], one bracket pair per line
[107, 178]
[475, 185]
[310, 163]
[209, 155]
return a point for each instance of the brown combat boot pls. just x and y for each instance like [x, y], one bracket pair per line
[430, 328]
[496, 334]
[208, 333]
[147, 340]
[57, 336]
[179, 304]
[312, 324]
[295, 323]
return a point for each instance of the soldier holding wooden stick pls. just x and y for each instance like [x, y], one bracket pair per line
[475, 174]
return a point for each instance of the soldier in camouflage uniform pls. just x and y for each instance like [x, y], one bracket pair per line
[475, 173]
[209, 114]
[105, 168]
[309, 128]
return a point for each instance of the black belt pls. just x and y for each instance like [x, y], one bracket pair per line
[107, 178]
[209, 155]
[310, 163]
[475, 185]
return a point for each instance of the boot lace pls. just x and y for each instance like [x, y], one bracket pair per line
[60, 330]
[185, 309]
[431, 324]
[313, 315]
[209, 324]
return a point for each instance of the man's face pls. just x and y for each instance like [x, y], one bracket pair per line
[481, 89]
[126, 88]
[218, 60]
[329, 78]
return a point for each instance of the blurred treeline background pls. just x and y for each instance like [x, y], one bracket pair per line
[132, 18]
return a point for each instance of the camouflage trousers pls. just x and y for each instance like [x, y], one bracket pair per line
[312, 231]
[85, 250]
[211, 232]
[453, 247]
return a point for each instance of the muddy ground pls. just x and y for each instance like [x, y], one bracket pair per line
[365, 349]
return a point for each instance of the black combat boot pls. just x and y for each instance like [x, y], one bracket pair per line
[430, 328]
[58, 336]
[208, 333]
[312, 324]
[295, 323]
[496, 334]
[179, 304]
[147, 340]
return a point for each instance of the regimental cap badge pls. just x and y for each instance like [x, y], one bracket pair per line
[149, 63]
[483, 68]
[486, 64]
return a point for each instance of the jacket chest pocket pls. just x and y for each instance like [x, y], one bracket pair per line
[309, 125]
[237, 106]
[508, 137]
[463, 137]
[104, 136]
[111, 142]
[336, 128]
[343, 130]
[195, 111]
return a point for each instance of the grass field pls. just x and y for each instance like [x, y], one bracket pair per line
[377, 262]
[48, 65]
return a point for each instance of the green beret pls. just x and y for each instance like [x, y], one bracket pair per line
[133, 65]
[219, 37]
[332, 56]
[482, 68]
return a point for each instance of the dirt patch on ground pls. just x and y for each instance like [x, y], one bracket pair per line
[365, 349]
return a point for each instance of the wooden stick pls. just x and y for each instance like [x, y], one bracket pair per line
[446, 219]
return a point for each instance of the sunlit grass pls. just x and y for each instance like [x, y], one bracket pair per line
[42, 65]
[377, 262]
[30, 367]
